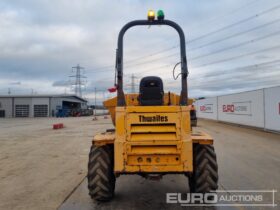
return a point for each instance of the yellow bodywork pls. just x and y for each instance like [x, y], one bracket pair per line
[151, 139]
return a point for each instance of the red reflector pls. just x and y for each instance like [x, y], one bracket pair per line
[112, 90]
[58, 126]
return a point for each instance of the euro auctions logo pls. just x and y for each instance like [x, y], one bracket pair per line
[263, 198]
[238, 108]
[192, 198]
[206, 108]
[228, 108]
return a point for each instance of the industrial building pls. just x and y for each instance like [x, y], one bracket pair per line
[39, 105]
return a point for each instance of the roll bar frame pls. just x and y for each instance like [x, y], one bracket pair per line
[119, 58]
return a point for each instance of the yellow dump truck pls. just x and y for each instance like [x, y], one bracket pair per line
[153, 135]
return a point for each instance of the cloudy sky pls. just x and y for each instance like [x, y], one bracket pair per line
[232, 45]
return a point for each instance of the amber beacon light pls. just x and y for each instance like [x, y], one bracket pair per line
[151, 15]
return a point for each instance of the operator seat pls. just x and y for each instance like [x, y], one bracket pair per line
[151, 91]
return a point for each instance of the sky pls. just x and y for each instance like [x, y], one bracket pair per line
[232, 45]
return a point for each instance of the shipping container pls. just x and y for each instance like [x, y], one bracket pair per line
[245, 108]
[272, 108]
[258, 108]
[207, 108]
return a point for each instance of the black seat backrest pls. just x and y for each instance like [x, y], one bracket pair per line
[151, 91]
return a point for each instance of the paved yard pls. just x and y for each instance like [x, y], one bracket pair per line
[39, 166]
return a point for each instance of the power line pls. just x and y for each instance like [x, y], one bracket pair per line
[152, 54]
[215, 62]
[236, 46]
[233, 74]
[206, 22]
[238, 22]
[264, 66]
[234, 35]
[257, 65]
[159, 67]
[272, 63]
[203, 23]
[213, 32]
[236, 57]
[229, 13]
[228, 37]
[230, 82]
[156, 59]
[200, 37]
[169, 65]
[211, 53]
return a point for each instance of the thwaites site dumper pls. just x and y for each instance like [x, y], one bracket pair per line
[153, 134]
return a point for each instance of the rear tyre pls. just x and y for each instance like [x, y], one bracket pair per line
[205, 169]
[101, 178]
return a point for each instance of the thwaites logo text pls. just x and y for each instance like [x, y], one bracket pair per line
[156, 118]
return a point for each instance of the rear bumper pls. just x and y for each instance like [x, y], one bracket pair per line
[152, 157]
[168, 169]
[157, 157]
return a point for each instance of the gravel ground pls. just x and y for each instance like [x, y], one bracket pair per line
[248, 160]
[40, 166]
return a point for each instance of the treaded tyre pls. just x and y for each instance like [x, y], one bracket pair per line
[101, 178]
[205, 169]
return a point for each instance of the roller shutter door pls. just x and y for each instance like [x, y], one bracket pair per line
[22, 111]
[40, 110]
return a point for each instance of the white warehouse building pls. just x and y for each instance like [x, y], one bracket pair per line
[38, 105]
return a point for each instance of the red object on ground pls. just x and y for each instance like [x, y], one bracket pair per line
[58, 126]
[112, 90]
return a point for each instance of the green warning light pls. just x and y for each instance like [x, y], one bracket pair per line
[160, 15]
